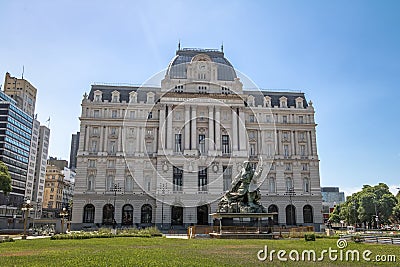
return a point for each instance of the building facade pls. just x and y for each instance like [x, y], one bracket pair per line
[73, 151]
[15, 139]
[330, 198]
[165, 155]
[22, 92]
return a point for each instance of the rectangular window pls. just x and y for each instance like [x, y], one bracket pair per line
[112, 147]
[114, 114]
[92, 163]
[227, 177]
[286, 150]
[302, 150]
[94, 146]
[284, 119]
[132, 114]
[251, 118]
[178, 142]
[202, 176]
[225, 144]
[111, 163]
[304, 166]
[95, 130]
[150, 115]
[202, 143]
[113, 130]
[177, 179]
[288, 167]
[252, 149]
[301, 136]
[96, 113]
[301, 119]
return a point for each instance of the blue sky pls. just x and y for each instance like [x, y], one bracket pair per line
[345, 55]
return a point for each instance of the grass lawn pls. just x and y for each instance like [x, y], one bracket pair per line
[126, 251]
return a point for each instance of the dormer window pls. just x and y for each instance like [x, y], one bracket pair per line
[133, 97]
[283, 102]
[150, 98]
[250, 101]
[115, 97]
[98, 96]
[299, 102]
[267, 101]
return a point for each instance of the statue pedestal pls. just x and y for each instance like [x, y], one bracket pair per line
[242, 228]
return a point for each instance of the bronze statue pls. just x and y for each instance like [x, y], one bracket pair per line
[241, 198]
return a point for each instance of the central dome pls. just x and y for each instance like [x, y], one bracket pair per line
[177, 68]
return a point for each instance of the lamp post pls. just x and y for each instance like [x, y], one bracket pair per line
[115, 189]
[26, 208]
[163, 187]
[63, 213]
[290, 192]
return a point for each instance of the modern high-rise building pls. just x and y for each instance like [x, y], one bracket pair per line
[330, 198]
[22, 91]
[165, 155]
[15, 144]
[28, 134]
[74, 151]
[40, 168]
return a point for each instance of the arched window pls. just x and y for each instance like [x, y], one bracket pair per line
[306, 185]
[88, 213]
[289, 184]
[202, 215]
[308, 214]
[272, 209]
[108, 214]
[176, 215]
[90, 183]
[129, 183]
[127, 215]
[290, 215]
[271, 185]
[146, 214]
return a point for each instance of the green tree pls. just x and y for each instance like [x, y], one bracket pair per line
[5, 179]
[362, 207]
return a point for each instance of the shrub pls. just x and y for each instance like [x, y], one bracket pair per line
[309, 237]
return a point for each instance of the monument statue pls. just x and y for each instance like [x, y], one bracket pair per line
[242, 198]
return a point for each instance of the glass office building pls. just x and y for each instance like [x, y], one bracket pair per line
[15, 141]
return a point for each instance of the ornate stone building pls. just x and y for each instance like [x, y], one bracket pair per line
[165, 155]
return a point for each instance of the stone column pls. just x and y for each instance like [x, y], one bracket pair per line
[194, 128]
[243, 137]
[217, 133]
[211, 128]
[292, 141]
[234, 130]
[142, 139]
[161, 145]
[169, 128]
[87, 145]
[119, 139]
[309, 143]
[137, 148]
[187, 128]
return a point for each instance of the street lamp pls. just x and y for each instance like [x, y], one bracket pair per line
[26, 208]
[163, 187]
[115, 189]
[290, 192]
[63, 213]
